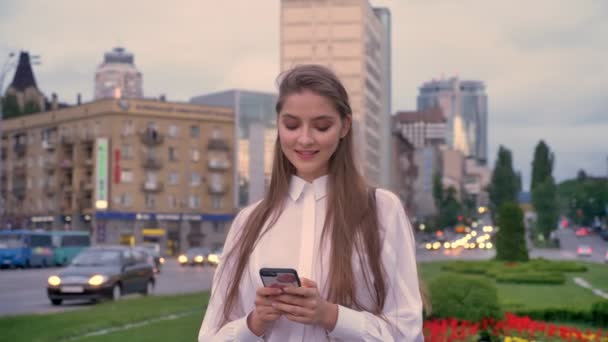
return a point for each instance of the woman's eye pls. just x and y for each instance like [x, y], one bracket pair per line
[291, 127]
[323, 128]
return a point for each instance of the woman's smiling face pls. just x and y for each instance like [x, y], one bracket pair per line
[310, 129]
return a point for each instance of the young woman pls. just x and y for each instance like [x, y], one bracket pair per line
[351, 245]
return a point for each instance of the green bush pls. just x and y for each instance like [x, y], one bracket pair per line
[557, 315]
[467, 267]
[531, 278]
[557, 266]
[599, 313]
[464, 298]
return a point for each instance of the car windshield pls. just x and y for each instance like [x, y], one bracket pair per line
[97, 258]
[11, 241]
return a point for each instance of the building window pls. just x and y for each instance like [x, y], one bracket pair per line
[126, 176]
[195, 179]
[173, 178]
[172, 202]
[196, 155]
[173, 131]
[217, 227]
[194, 202]
[195, 131]
[172, 153]
[126, 151]
[150, 201]
[216, 202]
[125, 200]
[216, 133]
[127, 127]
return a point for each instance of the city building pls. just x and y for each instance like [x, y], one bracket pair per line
[353, 39]
[128, 170]
[464, 104]
[429, 163]
[255, 134]
[453, 170]
[476, 181]
[422, 128]
[117, 76]
[404, 172]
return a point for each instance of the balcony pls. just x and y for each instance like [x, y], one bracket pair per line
[218, 144]
[86, 185]
[67, 187]
[19, 190]
[20, 150]
[87, 161]
[152, 186]
[151, 162]
[67, 140]
[49, 164]
[217, 188]
[66, 164]
[49, 144]
[49, 189]
[19, 169]
[87, 137]
[151, 137]
[217, 164]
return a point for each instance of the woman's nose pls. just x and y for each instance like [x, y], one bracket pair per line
[305, 138]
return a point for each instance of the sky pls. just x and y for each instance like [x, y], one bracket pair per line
[544, 62]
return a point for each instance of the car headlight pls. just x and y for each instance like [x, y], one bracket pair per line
[213, 258]
[162, 260]
[182, 259]
[54, 280]
[97, 280]
[198, 258]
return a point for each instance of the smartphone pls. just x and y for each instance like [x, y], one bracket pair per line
[280, 277]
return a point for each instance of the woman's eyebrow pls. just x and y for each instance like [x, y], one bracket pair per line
[317, 118]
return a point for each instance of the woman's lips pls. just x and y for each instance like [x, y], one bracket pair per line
[306, 155]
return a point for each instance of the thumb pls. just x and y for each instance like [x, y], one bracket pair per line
[308, 283]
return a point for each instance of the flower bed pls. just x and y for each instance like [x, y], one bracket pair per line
[512, 328]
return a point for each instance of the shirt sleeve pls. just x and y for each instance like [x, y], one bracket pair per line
[402, 314]
[236, 329]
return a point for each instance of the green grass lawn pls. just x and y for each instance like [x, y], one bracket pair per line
[61, 326]
[531, 296]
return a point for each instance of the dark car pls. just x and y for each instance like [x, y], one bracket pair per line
[195, 256]
[152, 251]
[102, 272]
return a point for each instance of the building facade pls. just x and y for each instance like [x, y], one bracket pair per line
[255, 134]
[404, 172]
[353, 39]
[117, 76]
[464, 104]
[422, 128]
[127, 170]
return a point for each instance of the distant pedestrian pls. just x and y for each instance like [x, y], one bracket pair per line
[352, 245]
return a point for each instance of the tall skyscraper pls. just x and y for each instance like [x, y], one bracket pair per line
[117, 76]
[464, 103]
[353, 39]
[255, 131]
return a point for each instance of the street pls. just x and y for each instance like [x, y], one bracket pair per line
[24, 291]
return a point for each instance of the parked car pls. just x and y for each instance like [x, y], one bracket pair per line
[584, 251]
[154, 252]
[581, 232]
[194, 256]
[215, 257]
[102, 272]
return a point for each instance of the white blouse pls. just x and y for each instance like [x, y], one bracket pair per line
[295, 242]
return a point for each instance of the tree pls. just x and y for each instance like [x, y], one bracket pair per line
[437, 190]
[542, 165]
[10, 107]
[31, 107]
[510, 239]
[505, 184]
[450, 209]
[544, 199]
[544, 192]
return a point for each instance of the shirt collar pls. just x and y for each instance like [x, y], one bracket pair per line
[297, 186]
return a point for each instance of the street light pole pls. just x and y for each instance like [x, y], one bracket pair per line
[8, 65]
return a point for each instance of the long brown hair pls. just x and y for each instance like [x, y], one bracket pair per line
[351, 220]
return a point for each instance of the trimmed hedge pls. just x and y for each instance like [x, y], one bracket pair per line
[456, 296]
[599, 313]
[531, 278]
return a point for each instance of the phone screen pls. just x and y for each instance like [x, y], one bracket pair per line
[279, 277]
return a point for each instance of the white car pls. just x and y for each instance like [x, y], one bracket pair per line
[584, 251]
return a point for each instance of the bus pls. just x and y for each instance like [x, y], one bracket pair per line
[25, 248]
[67, 245]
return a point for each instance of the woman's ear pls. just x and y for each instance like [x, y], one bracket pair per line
[346, 124]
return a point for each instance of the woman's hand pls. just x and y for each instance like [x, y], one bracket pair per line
[264, 313]
[305, 305]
